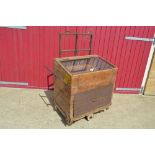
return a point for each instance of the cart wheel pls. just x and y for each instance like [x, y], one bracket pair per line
[55, 107]
[69, 122]
[89, 117]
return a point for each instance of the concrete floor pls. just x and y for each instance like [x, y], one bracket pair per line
[29, 108]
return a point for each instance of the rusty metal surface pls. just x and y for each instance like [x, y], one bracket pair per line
[76, 50]
[93, 99]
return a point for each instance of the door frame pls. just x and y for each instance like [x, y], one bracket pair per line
[148, 65]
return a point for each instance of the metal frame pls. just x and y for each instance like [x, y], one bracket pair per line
[16, 27]
[152, 49]
[148, 65]
[76, 50]
[129, 89]
[141, 39]
[14, 83]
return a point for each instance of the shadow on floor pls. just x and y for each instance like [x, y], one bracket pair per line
[49, 101]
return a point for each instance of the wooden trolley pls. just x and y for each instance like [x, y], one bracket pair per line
[83, 86]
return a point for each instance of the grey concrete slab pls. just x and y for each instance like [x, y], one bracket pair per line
[31, 108]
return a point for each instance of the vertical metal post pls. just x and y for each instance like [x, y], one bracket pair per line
[76, 44]
[91, 36]
[60, 45]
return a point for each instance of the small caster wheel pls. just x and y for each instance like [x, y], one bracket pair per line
[107, 108]
[55, 108]
[89, 117]
[69, 122]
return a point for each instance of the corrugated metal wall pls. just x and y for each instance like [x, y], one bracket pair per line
[27, 55]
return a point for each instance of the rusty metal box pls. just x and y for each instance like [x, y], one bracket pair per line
[83, 86]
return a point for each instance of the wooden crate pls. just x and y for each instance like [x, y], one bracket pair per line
[83, 86]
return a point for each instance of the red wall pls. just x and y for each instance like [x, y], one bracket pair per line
[27, 55]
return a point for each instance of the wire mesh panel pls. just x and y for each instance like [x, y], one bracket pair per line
[86, 65]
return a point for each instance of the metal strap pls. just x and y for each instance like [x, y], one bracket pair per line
[140, 39]
[129, 89]
[14, 83]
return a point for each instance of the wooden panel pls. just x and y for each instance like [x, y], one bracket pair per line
[150, 84]
[150, 87]
[152, 74]
[62, 88]
[92, 99]
[87, 81]
[153, 64]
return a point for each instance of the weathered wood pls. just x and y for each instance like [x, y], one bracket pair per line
[92, 112]
[150, 88]
[92, 99]
[86, 91]
[150, 84]
[62, 88]
[91, 80]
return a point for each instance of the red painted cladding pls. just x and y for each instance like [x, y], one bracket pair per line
[27, 55]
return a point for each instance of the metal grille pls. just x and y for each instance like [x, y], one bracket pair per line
[86, 65]
[76, 50]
